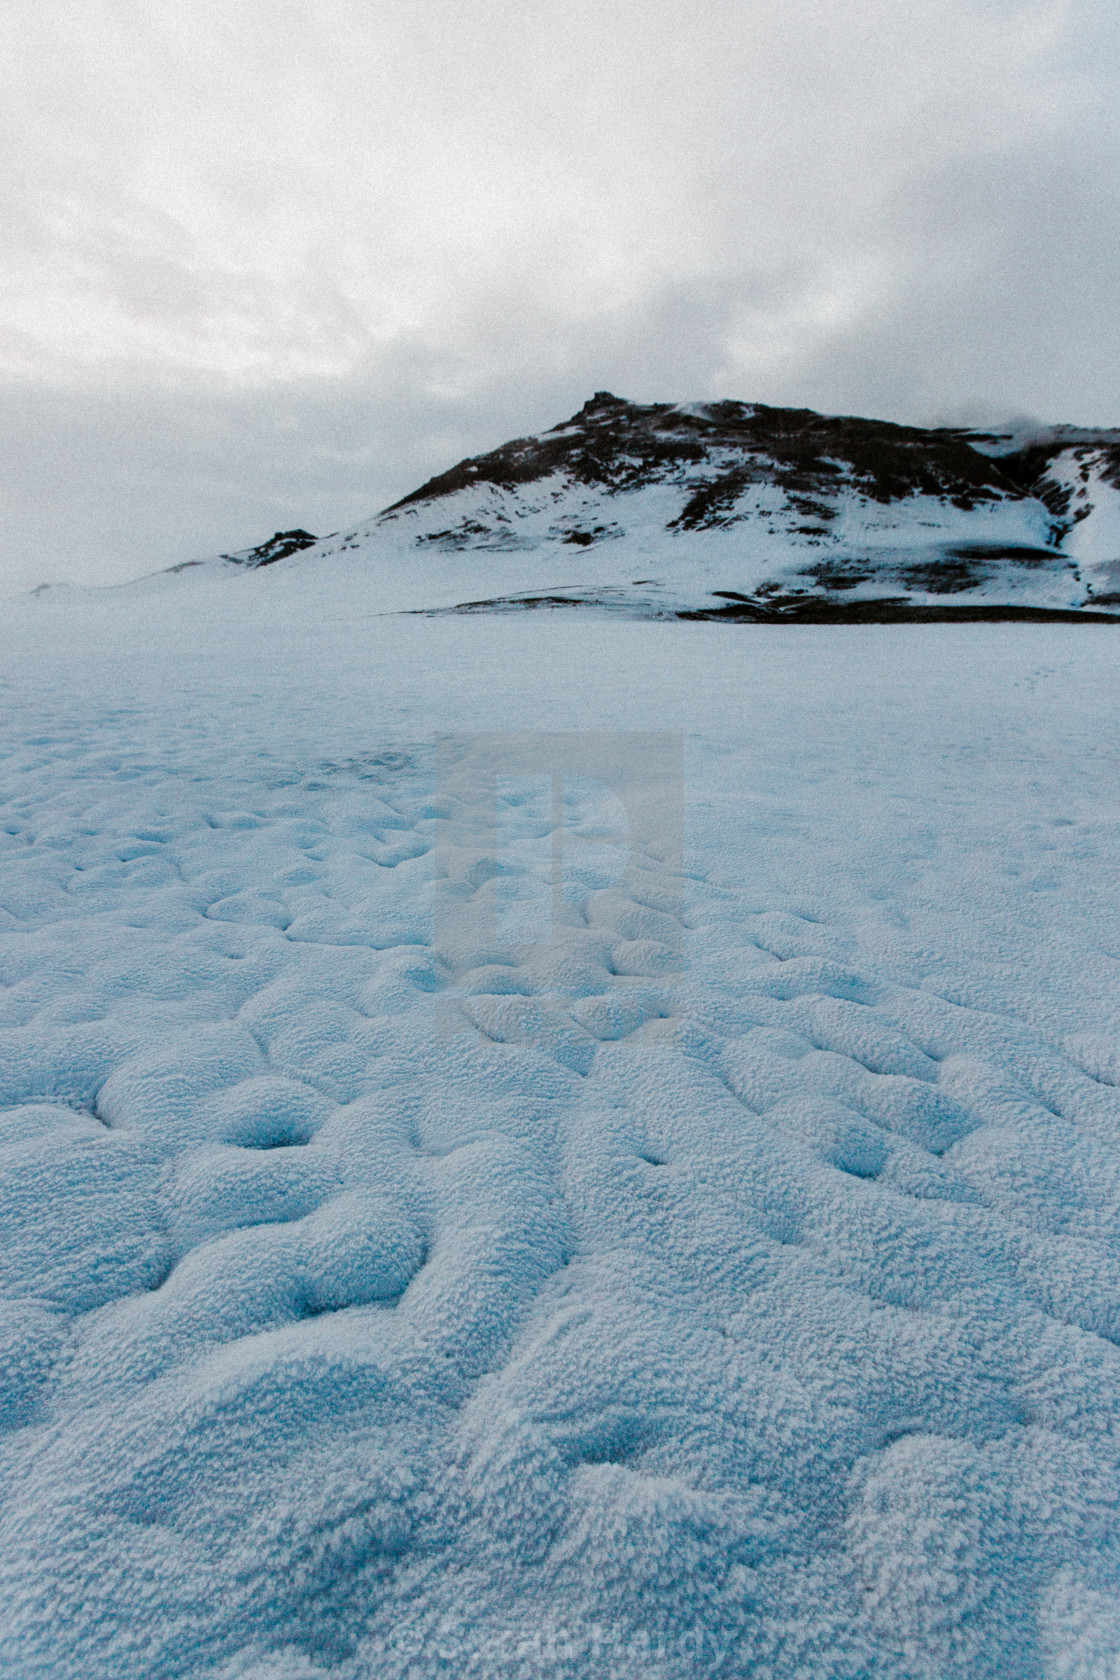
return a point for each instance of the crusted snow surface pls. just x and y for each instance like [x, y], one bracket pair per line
[726, 1284]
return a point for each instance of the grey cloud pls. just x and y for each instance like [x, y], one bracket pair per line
[273, 266]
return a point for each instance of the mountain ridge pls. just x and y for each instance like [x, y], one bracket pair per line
[742, 510]
[809, 510]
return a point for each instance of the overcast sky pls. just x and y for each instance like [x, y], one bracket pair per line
[274, 262]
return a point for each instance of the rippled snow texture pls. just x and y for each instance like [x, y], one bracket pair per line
[380, 1307]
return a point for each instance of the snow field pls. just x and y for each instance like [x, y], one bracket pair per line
[385, 1298]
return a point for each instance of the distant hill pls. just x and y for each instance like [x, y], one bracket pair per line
[739, 510]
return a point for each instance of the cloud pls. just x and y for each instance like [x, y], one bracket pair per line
[276, 264]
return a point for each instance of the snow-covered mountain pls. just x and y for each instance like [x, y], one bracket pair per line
[739, 510]
[546, 1145]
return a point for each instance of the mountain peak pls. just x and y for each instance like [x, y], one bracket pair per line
[737, 509]
[602, 400]
[779, 508]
